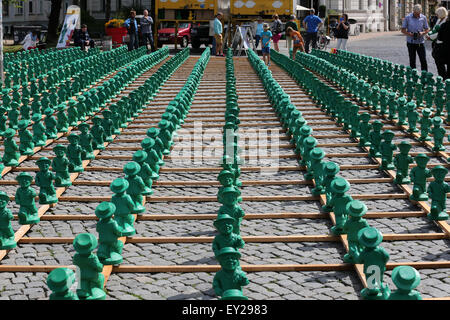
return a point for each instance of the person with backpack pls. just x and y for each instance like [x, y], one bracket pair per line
[312, 24]
[291, 23]
[341, 32]
[276, 31]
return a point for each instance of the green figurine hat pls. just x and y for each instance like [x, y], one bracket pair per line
[73, 137]
[404, 146]
[24, 176]
[9, 133]
[163, 124]
[370, 237]
[147, 143]
[131, 168]
[60, 279]
[61, 107]
[152, 132]
[225, 173]
[59, 147]
[106, 112]
[377, 124]
[4, 196]
[139, 156]
[405, 277]
[305, 130]
[426, 112]
[437, 121]
[421, 158]
[85, 243]
[36, 117]
[388, 135]
[105, 210]
[119, 185]
[23, 124]
[97, 120]
[43, 160]
[331, 168]
[229, 125]
[310, 142]
[83, 125]
[229, 250]
[233, 294]
[48, 111]
[340, 185]
[439, 172]
[223, 217]
[72, 103]
[317, 154]
[356, 208]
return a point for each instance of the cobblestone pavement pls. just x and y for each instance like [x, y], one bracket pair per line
[263, 285]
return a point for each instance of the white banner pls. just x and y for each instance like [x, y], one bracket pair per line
[70, 22]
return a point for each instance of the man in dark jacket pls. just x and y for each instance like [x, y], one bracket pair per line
[146, 30]
[82, 38]
[443, 54]
[132, 28]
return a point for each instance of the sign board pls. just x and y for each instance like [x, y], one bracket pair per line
[71, 22]
[186, 4]
[267, 7]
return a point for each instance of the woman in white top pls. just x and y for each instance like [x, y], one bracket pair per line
[437, 47]
[30, 41]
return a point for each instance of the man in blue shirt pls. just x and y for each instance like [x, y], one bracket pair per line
[415, 26]
[312, 24]
[218, 34]
[132, 28]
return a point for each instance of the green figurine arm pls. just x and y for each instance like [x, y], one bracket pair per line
[243, 280]
[215, 246]
[216, 286]
[240, 242]
[10, 215]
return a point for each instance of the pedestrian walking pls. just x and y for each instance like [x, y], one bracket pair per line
[218, 34]
[146, 30]
[444, 51]
[312, 24]
[132, 28]
[438, 45]
[290, 24]
[415, 27]
[259, 31]
[341, 32]
[265, 43]
[276, 31]
[297, 39]
[82, 38]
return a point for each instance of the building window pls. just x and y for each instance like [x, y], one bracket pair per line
[19, 9]
[30, 7]
[5, 10]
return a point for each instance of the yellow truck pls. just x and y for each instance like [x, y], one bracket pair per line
[262, 8]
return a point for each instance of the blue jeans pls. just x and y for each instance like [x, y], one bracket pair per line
[257, 39]
[148, 37]
[134, 41]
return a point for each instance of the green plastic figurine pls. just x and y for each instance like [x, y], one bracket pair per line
[402, 111]
[230, 199]
[438, 134]
[375, 139]
[26, 139]
[86, 140]
[124, 207]
[136, 186]
[355, 210]
[50, 124]
[437, 190]
[230, 276]
[60, 164]
[110, 247]
[60, 281]
[62, 124]
[226, 238]
[425, 125]
[7, 239]
[91, 279]
[338, 202]
[317, 166]
[108, 125]
[330, 172]
[146, 172]
[406, 279]
[74, 151]
[98, 133]
[226, 179]
[11, 156]
[413, 116]
[364, 130]
[374, 258]
[39, 137]
[402, 162]
[387, 150]
[419, 175]
[44, 180]
[28, 213]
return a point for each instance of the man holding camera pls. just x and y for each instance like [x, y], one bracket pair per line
[415, 26]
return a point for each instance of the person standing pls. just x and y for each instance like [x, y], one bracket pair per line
[82, 38]
[415, 26]
[146, 29]
[298, 41]
[437, 45]
[30, 41]
[218, 34]
[341, 32]
[132, 28]
[259, 31]
[276, 31]
[265, 43]
[290, 24]
[444, 51]
[312, 24]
